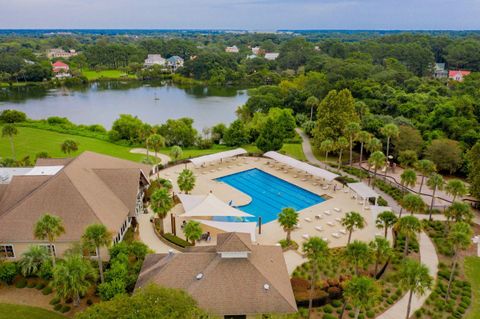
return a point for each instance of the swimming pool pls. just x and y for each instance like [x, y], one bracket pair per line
[269, 194]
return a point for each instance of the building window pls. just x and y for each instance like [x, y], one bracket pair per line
[50, 248]
[6, 251]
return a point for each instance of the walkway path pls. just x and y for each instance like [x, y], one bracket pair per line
[148, 236]
[164, 159]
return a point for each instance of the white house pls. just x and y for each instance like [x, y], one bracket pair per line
[154, 59]
[271, 56]
[233, 49]
[174, 62]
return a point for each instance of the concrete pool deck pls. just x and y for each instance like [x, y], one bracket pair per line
[272, 232]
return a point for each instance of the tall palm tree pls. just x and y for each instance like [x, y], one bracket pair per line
[409, 227]
[386, 220]
[389, 131]
[33, 259]
[352, 221]
[456, 187]
[459, 212]
[361, 293]
[359, 254]
[156, 141]
[192, 231]
[413, 204]
[426, 168]
[408, 178]
[435, 182]
[288, 219]
[186, 180]
[341, 145]
[73, 277]
[161, 203]
[415, 278]
[377, 160]
[352, 129]
[312, 102]
[363, 137]
[381, 251]
[460, 237]
[176, 152]
[95, 237]
[373, 145]
[69, 146]
[9, 130]
[316, 251]
[327, 146]
[49, 227]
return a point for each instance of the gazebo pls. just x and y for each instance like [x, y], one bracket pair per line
[364, 191]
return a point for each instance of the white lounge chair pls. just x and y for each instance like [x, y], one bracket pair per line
[327, 212]
[336, 235]
[338, 210]
[298, 226]
[338, 219]
[319, 216]
[319, 228]
[305, 236]
[345, 190]
[325, 187]
[308, 219]
[342, 231]
[331, 224]
[325, 239]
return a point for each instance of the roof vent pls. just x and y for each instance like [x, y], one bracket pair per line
[170, 251]
[199, 276]
[266, 287]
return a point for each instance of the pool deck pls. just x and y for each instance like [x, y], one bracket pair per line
[272, 232]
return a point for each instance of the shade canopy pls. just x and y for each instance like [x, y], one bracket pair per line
[208, 206]
[238, 227]
[197, 161]
[363, 190]
[313, 170]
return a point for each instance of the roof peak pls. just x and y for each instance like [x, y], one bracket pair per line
[234, 242]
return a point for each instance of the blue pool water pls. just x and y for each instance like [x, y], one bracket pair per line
[269, 194]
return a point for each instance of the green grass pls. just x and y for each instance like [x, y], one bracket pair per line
[294, 150]
[8, 311]
[472, 271]
[31, 141]
[109, 74]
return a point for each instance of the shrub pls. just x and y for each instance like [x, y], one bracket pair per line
[8, 271]
[31, 284]
[370, 314]
[40, 285]
[64, 309]
[334, 292]
[108, 290]
[57, 307]
[22, 283]
[176, 240]
[46, 270]
[328, 309]
[299, 284]
[55, 301]
[89, 302]
[47, 290]
[336, 303]
[328, 316]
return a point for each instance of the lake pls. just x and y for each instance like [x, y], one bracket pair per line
[102, 102]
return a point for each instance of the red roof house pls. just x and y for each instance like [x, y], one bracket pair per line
[458, 75]
[59, 66]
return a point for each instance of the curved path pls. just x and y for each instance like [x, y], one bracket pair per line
[148, 236]
[428, 254]
[163, 158]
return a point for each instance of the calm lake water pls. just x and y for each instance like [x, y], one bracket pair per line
[101, 103]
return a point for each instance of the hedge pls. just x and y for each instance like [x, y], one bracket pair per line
[176, 240]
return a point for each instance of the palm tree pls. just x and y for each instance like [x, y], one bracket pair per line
[459, 212]
[316, 251]
[186, 180]
[409, 227]
[73, 277]
[352, 221]
[381, 250]
[434, 182]
[33, 259]
[327, 146]
[386, 220]
[288, 219]
[413, 204]
[389, 130]
[176, 152]
[373, 145]
[192, 231]
[377, 160]
[49, 227]
[359, 254]
[426, 168]
[456, 187]
[161, 203]
[352, 129]
[361, 293]
[312, 102]
[460, 238]
[156, 141]
[9, 130]
[69, 146]
[95, 237]
[363, 137]
[408, 178]
[415, 278]
[341, 145]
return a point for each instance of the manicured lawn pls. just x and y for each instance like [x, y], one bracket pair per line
[30, 141]
[9, 311]
[110, 74]
[294, 150]
[472, 271]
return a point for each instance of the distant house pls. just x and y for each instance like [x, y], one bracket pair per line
[458, 75]
[439, 71]
[154, 59]
[233, 49]
[234, 279]
[271, 56]
[174, 62]
[61, 70]
[251, 56]
[60, 53]
[256, 50]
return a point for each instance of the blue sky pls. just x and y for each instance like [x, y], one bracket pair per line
[242, 14]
